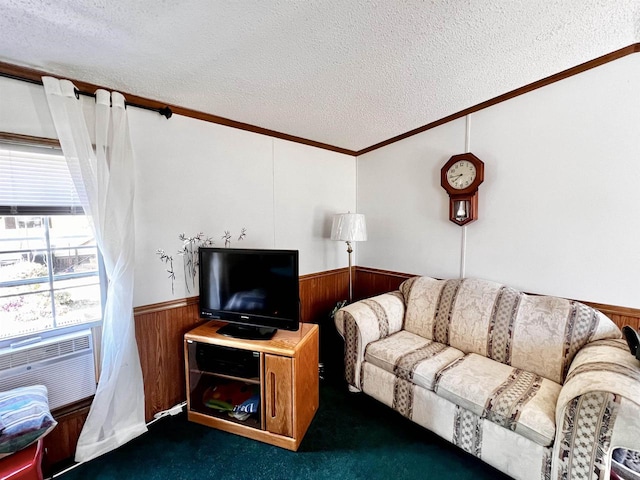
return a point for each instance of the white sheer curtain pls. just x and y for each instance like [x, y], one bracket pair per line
[104, 179]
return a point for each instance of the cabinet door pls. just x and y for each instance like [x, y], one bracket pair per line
[279, 394]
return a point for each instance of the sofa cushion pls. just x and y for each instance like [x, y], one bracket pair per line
[513, 398]
[411, 357]
[540, 334]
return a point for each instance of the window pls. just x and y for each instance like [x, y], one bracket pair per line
[50, 269]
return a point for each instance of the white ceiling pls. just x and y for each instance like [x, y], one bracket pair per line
[349, 73]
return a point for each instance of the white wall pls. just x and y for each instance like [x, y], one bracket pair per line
[565, 157]
[310, 183]
[194, 176]
[399, 192]
[24, 109]
[559, 207]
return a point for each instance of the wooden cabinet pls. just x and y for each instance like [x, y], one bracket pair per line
[282, 372]
[278, 399]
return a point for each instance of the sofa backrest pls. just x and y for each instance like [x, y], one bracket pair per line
[540, 334]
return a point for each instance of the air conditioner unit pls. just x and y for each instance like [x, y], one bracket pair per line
[64, 364]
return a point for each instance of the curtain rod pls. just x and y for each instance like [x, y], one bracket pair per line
[164, 111]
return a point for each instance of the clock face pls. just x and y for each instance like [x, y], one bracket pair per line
[461, 174]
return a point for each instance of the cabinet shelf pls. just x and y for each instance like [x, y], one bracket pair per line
[252, 421]
[287, 382]
[252, 380]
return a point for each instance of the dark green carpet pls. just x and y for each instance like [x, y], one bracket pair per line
[352, 436]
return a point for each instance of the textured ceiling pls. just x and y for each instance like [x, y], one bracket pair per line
[349, 73]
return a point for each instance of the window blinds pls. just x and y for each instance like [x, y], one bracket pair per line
[35, 181]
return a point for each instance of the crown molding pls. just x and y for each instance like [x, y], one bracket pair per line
[35, 76]
[583, 67]
[30, 75]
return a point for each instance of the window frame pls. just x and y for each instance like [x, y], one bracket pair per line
[46, 212]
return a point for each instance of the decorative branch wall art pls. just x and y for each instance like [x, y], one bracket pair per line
[189, 254]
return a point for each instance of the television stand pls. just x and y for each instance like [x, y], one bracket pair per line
[277, 377]
[247, 332]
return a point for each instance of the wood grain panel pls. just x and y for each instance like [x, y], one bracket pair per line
[372, 281]
[60, 443]
[621, 320]
[278, 389]
[162, 306]
[319, 293]
[306, 388]
[289, 380]
[284, 342]
[160, 333]
[246, 431]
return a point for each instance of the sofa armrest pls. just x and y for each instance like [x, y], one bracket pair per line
[364, 322]
[598, 410]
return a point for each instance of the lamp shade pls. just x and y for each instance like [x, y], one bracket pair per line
[349, 227]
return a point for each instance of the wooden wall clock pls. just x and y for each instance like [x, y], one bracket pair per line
[460, 177]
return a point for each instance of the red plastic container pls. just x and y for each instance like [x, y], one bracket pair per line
[23, 465]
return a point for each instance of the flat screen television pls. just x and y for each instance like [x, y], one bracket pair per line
[255, 290]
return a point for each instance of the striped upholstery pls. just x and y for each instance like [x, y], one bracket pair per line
[540, 334]
[411, 357]
[510, 397]
[25, 416]
[364, 322]
[542, 388]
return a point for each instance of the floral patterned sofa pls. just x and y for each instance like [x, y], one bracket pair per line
[539, 387]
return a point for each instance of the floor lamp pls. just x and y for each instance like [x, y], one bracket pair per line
[349, 227]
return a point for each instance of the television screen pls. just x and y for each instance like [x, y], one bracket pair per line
[256, 290]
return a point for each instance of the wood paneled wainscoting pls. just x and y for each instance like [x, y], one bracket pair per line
[319, 293]
[159, 332]
[160, 329]
[372, 281]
